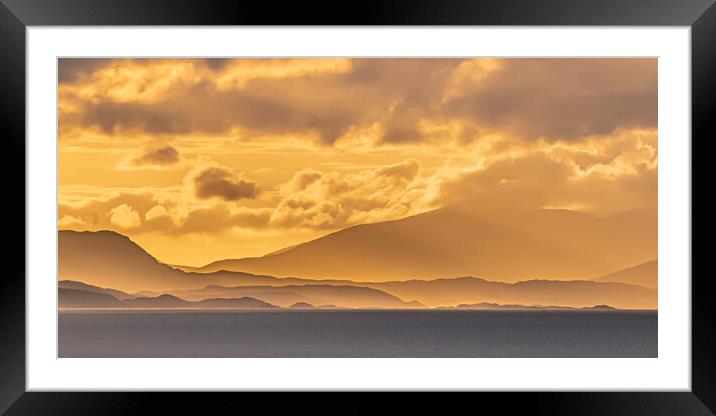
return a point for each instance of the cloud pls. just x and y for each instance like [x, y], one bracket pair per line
[602, 175]
[153, 157]
[73, 69]
[222, 183]
[325, 97]
[211, 219]
[301, 180]
[96, 212]
[68, 222]
[237, 73]
[408, 169]
[217, 64]
[164, 155]
[125, 216]
[150, 147]
[332, 200]
[129, 212]
[251, 217]
[157, 211]
[559, 98]
[328, 98]
[144, 212]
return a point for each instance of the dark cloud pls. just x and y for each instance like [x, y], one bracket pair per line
[205, 111]
[548, 98]
[327, 105]
[109, 116]
[216, 182]
[72, 69]
[415, 88]
[165, 155]
[217, 64]
[562, 98]
[401, 135]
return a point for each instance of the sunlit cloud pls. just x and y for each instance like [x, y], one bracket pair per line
[278, 151]
[124, 216]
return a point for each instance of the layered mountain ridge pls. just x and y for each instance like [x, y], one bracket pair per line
[528, 245]
[466, 241]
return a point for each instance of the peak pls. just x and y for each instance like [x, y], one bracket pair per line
[209, 287]
[91, 232]
[166, 296]
[603, 307]
[103, 234]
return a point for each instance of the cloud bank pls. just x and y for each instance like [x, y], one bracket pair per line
[271, 152]
[533, 98]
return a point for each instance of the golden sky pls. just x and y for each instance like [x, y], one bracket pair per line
[205, 159]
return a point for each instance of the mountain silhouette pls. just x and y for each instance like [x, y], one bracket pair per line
[96, 261]
[109, 259]
[345, 296]
[575, 293]
[497, 306]
[465, 292]
[71, 284]
[77, 298]
[601, 308]
[508, 245]
[441, 292]
[644, 274]
[162, 302]
[233, 303]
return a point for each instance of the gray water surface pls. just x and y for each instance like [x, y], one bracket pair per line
[357, 333]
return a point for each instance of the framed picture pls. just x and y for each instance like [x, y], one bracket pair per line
[491, 197]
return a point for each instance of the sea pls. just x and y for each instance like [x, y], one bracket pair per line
[356, 333]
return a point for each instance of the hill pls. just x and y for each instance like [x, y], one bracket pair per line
[644, 274]
[496, 306]
[160, 302]
[232, 303]
[71, 284]
[76, 298]
[344, 296]
[442, 292]
[109, 259]
[459, 241]
[576, 293]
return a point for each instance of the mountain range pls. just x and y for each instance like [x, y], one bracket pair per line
[78, 298]
[92, 297]
[508, 245]
[496, 306]
[549, 244]
[644, 274]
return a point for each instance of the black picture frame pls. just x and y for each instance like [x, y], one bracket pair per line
[16, 15]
